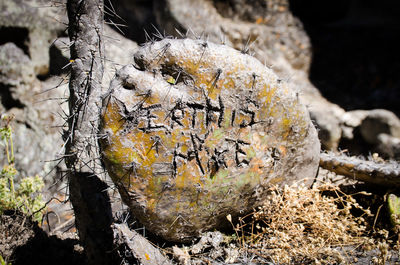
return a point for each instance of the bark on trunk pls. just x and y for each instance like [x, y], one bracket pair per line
[104, 241]
[384, 173]
[88, 193]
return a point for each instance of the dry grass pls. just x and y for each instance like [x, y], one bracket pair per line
[301, 225]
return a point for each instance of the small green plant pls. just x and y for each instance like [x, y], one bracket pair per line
[3, 262]
[23, 196]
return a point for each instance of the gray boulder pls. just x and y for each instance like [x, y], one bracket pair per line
[376, 130]
[379, 121]
[34, 140]
[32, 25]
[388, 146]
[39, 106]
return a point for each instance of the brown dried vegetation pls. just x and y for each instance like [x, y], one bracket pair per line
[297, 224]
[301, 225]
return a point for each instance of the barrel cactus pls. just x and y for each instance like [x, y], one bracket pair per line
[195, 131]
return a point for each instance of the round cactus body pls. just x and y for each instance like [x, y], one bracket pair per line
[195, 131]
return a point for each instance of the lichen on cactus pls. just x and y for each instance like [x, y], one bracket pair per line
[194, 131]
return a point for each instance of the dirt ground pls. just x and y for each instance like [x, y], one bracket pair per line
[24, 242]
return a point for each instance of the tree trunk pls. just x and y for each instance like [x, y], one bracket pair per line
[383, 173]
[88, 193]
[104, 241]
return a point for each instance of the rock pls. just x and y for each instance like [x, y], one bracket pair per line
[33, 25]
[119, 52]
[379, 121]
[364, 131]
[351, 120]
[136, 248]
[388, 146]
[329, 130]
[15, 69]
[182, 255]
[27, 29]
[195, 131]
[30, 27]
[34, 140]
[16, 77]
[273, 29]
[209, 239]
[15, 66]
[351, 140]
[354, 118]
[38, 105]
